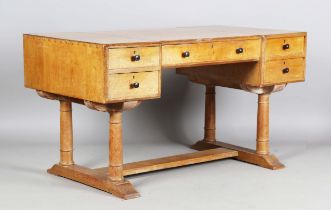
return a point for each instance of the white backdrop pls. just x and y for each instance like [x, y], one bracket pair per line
[299, 114]
[300, 105]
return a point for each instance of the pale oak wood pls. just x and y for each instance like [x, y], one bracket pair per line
[122, 189]
[96, 69]
[169, 35]
[115, 168]
[99, 178]
[210, 114]
[69, 65]
[244, 154]
[266, 72]
[52, 96]
[261, 155]
[111, 179]
[226, 50]
[237, 75]
[71, 69]
[262, 132]
[178, 161]
[199, 53]
[112, 107]
[66, 135]
[274, 47]
[274, 71]
[208, 53]
[121, 57]
[227, 75]
[174, 161]
[120, 88]
[133, 70]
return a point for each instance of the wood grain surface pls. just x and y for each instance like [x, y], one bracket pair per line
[115, 71]
[168, 35]
[98, 66]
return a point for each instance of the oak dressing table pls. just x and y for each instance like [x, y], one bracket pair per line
[116, 71]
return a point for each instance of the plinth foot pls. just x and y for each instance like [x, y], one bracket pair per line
[122, 189]
[244, 154]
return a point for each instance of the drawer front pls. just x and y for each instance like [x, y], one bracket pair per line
[133, 57]
[237, 50]
[186, 54]
[285, 47]
[284, 71]
[140, 85]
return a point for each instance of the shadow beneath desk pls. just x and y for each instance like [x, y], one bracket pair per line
[166, 115]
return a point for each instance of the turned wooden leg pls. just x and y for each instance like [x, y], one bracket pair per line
[66, 142]
[210, 118]
[113, 180]
[262, 134]
[115, 146]
[261, 155]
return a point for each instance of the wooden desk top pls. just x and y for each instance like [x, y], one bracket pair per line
[168, 35]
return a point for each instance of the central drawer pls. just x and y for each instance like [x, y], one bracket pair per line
[237, 50]
[211, 52]
[134, 86]
[173, 55]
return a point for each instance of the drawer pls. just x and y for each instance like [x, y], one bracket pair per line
[285, 47]
[284, 71]
[129, 86]
[186, 54]
[133, 57]
[237, 50]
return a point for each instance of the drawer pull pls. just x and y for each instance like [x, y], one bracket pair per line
[186, 54]
[135, 58]
[286, 70]
[134, 85]
[239, 50]
[286, 46]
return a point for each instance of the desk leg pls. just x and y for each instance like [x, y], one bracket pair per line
[66, 137]
[115, 146]
[117, 185]
[112, 181]
[261, 155]
[210, 121]
[262, 133]
[210, 118]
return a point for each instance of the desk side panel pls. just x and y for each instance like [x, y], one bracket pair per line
[63, 67]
